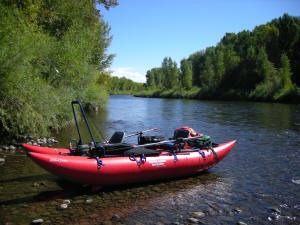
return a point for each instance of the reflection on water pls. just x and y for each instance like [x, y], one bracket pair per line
[254, 184]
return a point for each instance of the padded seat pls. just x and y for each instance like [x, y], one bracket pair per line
[117, 137]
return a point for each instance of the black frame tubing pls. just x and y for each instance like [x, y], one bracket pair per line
[85, 119]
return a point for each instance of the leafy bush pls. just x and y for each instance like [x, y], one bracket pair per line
[51, 53]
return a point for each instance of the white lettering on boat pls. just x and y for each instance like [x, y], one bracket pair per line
[157, 162]
[58, 160]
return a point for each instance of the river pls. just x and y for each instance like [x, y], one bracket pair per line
[257, 183]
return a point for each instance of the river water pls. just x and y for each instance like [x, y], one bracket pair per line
[257, 183]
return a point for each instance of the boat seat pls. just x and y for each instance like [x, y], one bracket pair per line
[117, 137]
[181, 134]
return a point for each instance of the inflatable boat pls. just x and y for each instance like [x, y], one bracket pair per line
[128, 169]
[115, 162]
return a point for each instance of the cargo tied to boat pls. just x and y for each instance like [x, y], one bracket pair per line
[115, 161]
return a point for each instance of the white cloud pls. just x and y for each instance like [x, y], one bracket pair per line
[129, 73]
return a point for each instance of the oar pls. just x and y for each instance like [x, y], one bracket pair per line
[140, 132]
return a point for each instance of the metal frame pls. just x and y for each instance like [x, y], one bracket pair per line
[85, 119]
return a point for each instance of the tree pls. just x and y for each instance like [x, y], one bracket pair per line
[219, 66]
[284, 74]
[150, 79]
[243, 65]
[170, 72]
[186, 74]
[51, 53]
[197, 59]
[158, 77]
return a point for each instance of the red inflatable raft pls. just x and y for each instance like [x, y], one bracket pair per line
[126, 169]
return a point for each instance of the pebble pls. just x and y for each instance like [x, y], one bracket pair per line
[198, 214]
[211, 212]
[237, 210]
[193, 220]
[12, 148]
[284, 206]
[37, 221]
[88, 201]
[296, 181]
[42, 141]
[115, 217]
[290, 218]
[297, 207]
[66, 201]
[274, 216]
[35, 184]
[64, 206]
[275, 209]
[241, 223]
[2, 160]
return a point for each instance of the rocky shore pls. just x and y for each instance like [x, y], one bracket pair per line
[14, 145]
[30, 140]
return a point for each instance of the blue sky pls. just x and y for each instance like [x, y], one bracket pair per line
[146, 31]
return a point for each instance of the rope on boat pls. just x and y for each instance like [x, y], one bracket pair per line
[175, 156]
[202, 154]
[139, 162]
[99, 162]
[214, 153]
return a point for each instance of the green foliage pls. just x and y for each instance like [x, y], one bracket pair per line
[265, 90]
[284, 75]
[115, 85]
[186, 74]
[150, 79]
[263, 64]
[277, 85]
[51, 53]
[170, 72]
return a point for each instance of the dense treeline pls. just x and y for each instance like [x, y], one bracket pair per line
[116, 85]
[51, 52]
[260, 65]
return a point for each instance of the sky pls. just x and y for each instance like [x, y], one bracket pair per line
[146, 31]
